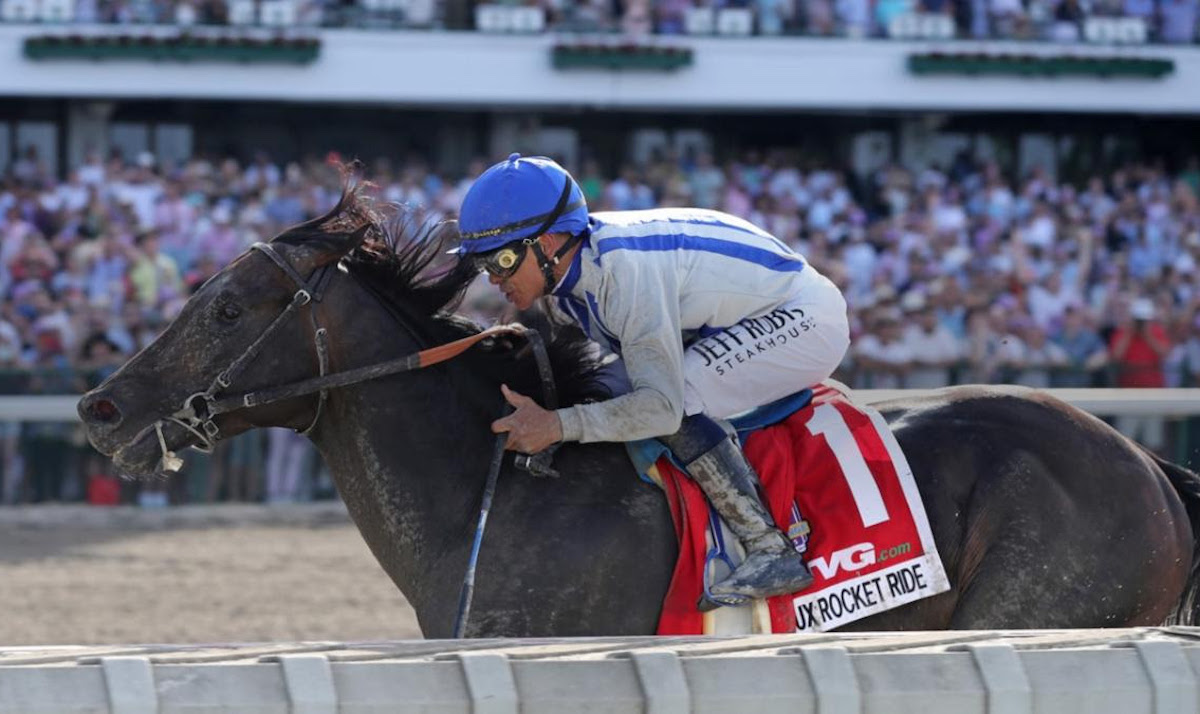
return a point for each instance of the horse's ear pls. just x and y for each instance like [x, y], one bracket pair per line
[314, 254]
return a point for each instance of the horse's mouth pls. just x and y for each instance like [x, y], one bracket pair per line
[142, 456]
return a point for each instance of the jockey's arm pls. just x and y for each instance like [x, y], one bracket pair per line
[643, 311]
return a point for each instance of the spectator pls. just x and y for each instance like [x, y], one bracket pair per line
[1142, 9]
[47, 444]
[888, 10]
[1085, 350]
[854, 16]
[819, 17]
[1178, 21]
[154, 275]
[175, 219]
[984, 341]
[1139, 349]
[140, 189]
[881, 357]
[637, 21]
[934, 350]
[628, 192]
[775, 16]
[1008, 17]
[1068, 21]
[261, 174]
[1030, 358]
[707, 181]
[669, 17]
[28, 168]
[99, 358]
[590, 181]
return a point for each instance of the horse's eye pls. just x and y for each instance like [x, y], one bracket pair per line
[230, 312]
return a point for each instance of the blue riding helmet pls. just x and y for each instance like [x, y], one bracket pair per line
[518, 199]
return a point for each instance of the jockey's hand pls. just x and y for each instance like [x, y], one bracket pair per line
[530, 428]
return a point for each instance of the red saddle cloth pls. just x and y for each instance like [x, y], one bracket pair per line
[870, 548]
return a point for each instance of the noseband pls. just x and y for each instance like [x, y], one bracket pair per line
[199, 411]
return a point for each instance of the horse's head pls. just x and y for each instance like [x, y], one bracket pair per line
[251, 326]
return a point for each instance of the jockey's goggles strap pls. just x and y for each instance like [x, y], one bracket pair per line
[544, 263]
[547, 264]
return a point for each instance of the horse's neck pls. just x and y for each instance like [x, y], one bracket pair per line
[409, 455]
[411, 478]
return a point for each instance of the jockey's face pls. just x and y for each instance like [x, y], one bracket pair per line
[524, 286]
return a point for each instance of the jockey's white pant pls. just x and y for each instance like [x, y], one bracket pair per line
[768, 357]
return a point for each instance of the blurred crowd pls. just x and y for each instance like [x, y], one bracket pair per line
[1171, 21]
[956, 273]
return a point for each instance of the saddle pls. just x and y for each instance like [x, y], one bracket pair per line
[836, 481]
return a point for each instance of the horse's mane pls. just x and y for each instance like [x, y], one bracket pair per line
[403, 262]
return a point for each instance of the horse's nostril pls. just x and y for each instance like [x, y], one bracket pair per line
[103, 410]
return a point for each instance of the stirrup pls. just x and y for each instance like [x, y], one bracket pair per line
[710, 601]
[755, 586]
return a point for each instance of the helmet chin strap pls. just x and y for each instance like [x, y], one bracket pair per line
[548, 263]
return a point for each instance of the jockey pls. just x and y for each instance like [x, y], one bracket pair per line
[712, 316]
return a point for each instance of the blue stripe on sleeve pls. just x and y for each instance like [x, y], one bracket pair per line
[740, 251]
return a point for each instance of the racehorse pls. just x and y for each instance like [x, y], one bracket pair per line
[1044, 516]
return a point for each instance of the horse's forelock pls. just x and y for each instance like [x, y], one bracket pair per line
[354, 211]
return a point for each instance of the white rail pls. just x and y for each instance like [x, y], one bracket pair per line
[1101, 402]
[1063, 671]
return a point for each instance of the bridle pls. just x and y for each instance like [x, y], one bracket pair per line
[199, 411]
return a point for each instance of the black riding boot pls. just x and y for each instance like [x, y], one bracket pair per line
[772, 566]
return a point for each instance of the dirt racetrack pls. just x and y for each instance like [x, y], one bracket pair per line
[227, 573]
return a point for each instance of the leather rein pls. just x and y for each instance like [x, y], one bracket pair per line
[199, 411]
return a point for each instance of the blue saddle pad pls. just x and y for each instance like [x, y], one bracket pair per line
[646, 452]
[769, 414]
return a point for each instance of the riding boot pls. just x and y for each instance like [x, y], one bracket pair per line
[771, 566]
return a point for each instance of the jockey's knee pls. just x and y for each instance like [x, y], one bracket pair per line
[697, 435]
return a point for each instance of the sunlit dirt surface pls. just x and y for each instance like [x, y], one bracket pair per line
[229, 573]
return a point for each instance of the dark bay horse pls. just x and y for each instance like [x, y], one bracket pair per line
[1044, 516]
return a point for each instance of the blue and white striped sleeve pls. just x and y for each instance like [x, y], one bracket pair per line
[640, 305]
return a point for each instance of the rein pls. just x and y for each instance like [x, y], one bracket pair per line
[199, 411]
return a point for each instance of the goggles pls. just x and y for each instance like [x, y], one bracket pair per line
[502, 263]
